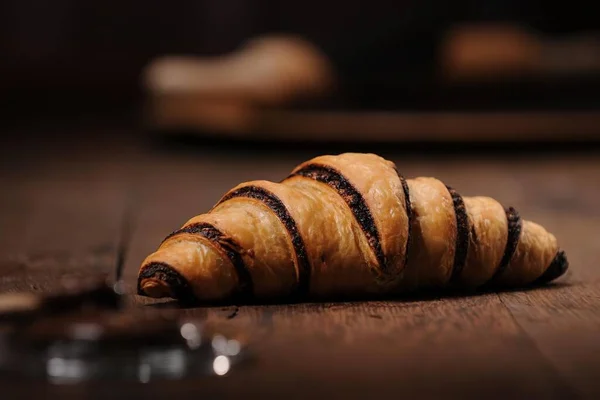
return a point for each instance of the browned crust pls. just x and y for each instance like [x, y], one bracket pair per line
[515, 226]
[179, 286]
[355, 201]
[226, 245]
[279, 209]
[462, 234]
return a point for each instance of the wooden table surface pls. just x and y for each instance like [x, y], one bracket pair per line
[62, 207]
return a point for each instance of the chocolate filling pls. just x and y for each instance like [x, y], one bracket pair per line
[179, 286]
[557, 268]
[277, 206]
[226, 245]
[514, 234]
[462, 234]
[355, 201]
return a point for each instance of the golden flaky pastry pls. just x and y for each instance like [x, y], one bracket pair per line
[348, 226]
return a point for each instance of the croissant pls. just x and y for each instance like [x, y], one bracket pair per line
[348, 226]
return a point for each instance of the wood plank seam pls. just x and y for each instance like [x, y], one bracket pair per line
[570, 390]
[128, 220]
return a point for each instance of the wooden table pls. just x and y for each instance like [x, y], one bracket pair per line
[62, 208]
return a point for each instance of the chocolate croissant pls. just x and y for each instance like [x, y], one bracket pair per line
[348, 226]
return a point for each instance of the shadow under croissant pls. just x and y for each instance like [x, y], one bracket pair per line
[424, 295]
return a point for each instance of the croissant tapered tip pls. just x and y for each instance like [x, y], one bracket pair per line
[557, 268]
[158, 280]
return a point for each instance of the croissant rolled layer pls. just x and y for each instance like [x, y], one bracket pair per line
[346, 226]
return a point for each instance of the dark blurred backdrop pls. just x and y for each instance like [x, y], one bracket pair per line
[68, 53]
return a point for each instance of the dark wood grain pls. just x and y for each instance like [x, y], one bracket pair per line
[63, 211]
[62, 207]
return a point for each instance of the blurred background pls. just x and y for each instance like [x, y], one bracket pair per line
[123, 119]
[366, 70]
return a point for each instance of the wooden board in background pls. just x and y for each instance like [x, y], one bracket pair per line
[236, 119]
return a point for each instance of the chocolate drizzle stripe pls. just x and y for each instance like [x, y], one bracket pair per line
[276, 205]
[409, 213]
[226, 245]
[179, 286]
[514, 235]
[355, 201]
[462, 234]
